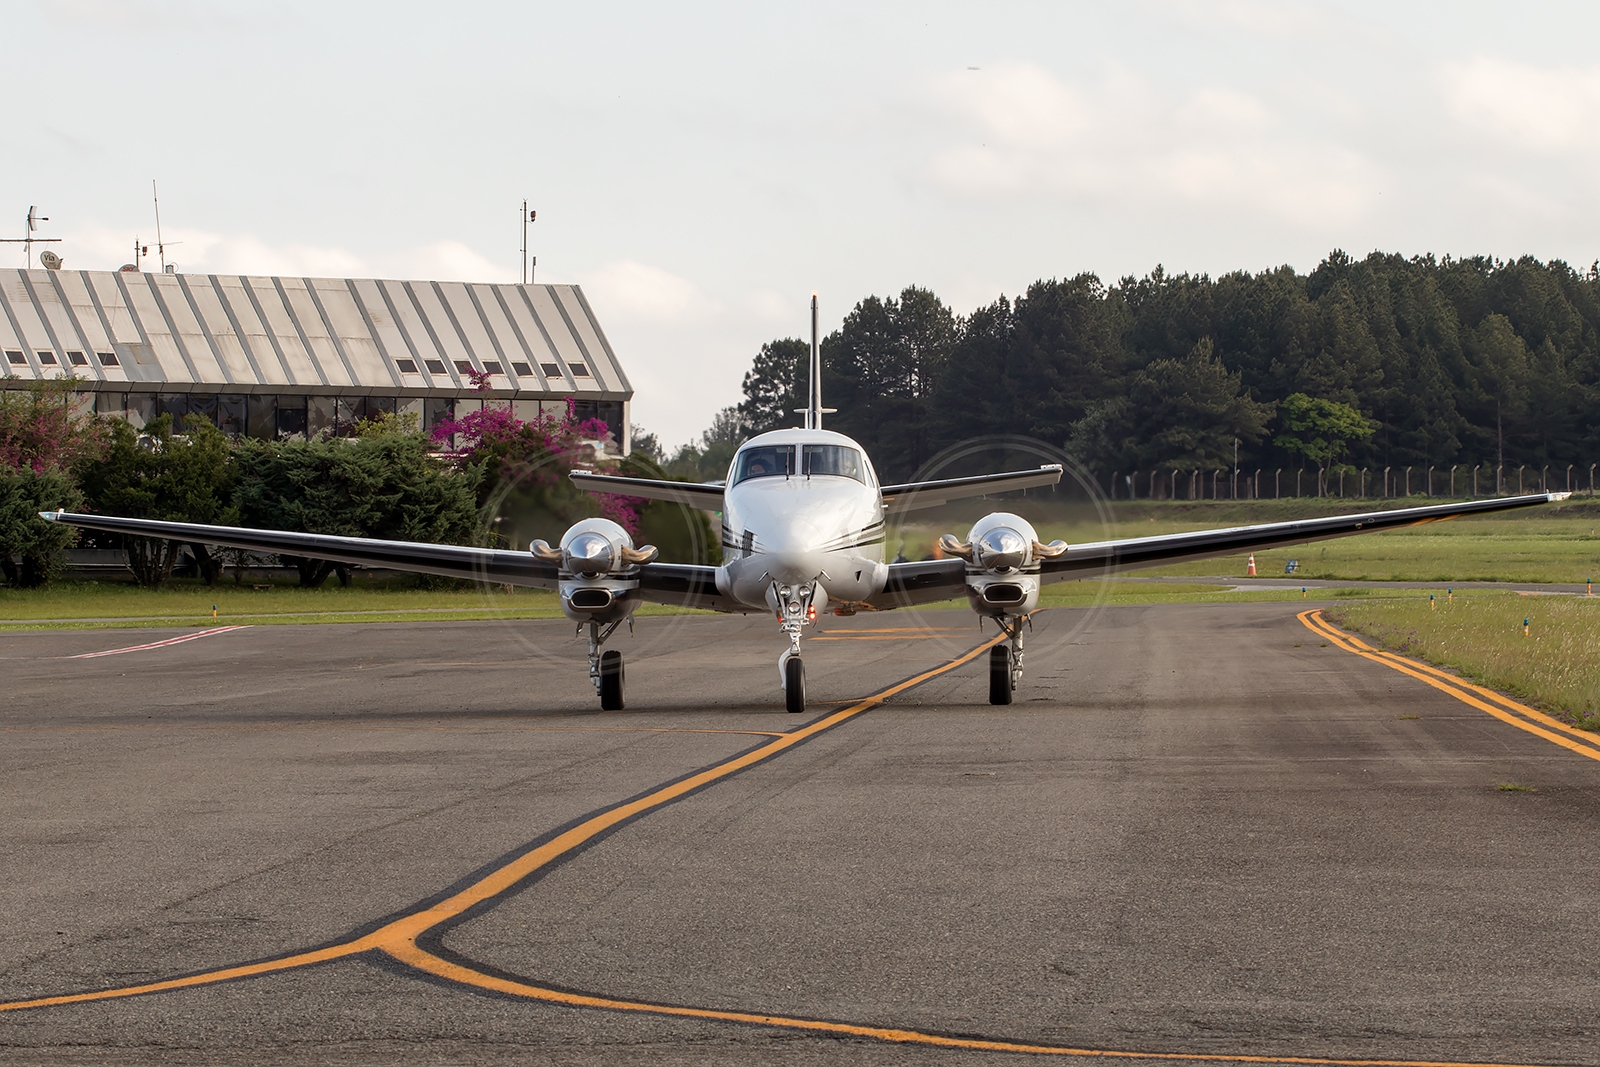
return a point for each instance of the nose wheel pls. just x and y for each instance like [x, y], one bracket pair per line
[1005, 660]
[794, 685]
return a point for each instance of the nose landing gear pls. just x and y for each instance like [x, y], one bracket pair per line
[796, 607]
[605, 668]
[1005, 663]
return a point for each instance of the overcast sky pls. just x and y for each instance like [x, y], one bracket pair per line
[701, 168]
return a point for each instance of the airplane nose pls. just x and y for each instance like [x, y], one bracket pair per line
[792, 553]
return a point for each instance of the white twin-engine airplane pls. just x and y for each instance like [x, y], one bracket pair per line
[802, 533]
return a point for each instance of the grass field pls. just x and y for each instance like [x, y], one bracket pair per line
[1558, 543]
[1554, 543]
[186, 602]
[1481, 637]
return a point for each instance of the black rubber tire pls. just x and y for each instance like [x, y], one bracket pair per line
[611, 681]
[794, 685]
[999, 675]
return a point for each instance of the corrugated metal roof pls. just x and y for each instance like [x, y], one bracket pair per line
[134, 332]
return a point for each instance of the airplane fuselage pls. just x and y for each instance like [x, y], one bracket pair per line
[802, 508]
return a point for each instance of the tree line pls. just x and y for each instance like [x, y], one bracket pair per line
[1379, 362]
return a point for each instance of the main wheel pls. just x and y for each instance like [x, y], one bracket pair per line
[611, 681]
[999, 675]
[794, 685]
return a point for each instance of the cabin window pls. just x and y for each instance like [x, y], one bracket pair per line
[838, 460]
[765, 461]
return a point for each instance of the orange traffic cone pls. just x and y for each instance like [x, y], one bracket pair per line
[1251, 571]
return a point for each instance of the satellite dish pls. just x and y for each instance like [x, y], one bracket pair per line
[49, 260]
[127, 268]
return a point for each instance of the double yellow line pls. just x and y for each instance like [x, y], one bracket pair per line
[1486, 700]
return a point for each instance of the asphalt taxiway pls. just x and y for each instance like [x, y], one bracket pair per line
[1202, 831]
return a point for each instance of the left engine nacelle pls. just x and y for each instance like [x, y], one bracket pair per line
[599, 568]
[1003, 553]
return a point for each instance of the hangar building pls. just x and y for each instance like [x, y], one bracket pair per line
[290, 357]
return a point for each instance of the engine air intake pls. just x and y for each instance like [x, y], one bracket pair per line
[590, 599]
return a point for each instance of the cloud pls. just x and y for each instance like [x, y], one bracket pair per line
[642, 291]
[447, 261]
[1023, 131]
[1555, 111]
[96, 247]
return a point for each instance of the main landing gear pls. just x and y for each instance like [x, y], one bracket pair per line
[605, 668]
[1005, 660]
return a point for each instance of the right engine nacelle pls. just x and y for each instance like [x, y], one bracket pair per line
[599, 570]
[1003, 553]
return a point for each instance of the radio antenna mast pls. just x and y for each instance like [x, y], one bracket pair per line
[28, 240]
[161, 248]
[527, 217]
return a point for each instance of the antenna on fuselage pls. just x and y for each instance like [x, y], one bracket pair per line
[814, 404]
[813, 411]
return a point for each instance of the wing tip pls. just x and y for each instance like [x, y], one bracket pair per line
[51, 516]
[1556, 497]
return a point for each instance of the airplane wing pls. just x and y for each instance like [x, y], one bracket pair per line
[682, 584]
[450, 561]
[932, 580]
[914, 495]
[700, 495]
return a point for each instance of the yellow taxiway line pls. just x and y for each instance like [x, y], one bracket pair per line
[399, 938]
[1501, 707]
[396, 936]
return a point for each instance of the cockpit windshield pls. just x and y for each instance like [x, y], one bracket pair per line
[764, 461]
[840, 460]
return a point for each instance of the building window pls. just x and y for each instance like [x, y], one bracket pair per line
[231, 410]
[291, 416]
[493, 367]
[262, 421]
[407, 366]
[107, 359]
[579, 370]
[463, 366]
[522, 369]
[435, 366]
[551, 370]
[435, 409]
[176, 405]
[607, 411]
[204, 405]
[47, 358]
[16, 359]
[78, 359]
